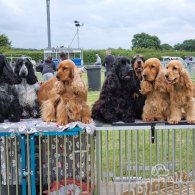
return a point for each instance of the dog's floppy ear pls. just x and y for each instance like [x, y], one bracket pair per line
[31, 78]
[19, 61]
[112, 78]
[143, 59]
[8, 74]
[158, 67]
[112, 82]
[72, 73]
[133, 61]
[160, 82]
[116, 64]
[185, 79]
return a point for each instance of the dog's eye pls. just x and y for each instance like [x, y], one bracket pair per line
[152, 66]
[174, 68]
[64, 68]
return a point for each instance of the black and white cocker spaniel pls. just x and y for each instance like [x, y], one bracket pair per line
[9, 102]
[115, 102]
[26, 89]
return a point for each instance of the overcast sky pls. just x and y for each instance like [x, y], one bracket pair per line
[107, 23]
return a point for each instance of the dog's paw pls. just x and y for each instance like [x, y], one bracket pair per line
[191, 120]
[173, 121]
[11, 118]
[147, 119]
[25, 114]
[35, 114]
[50, 119]
[63, 123]
[86, 120]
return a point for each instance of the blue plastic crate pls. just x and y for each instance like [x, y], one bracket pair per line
[77, 61]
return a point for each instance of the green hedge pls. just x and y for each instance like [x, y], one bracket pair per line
[89, 55]
[35, 55]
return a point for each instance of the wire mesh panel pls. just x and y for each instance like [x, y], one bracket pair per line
[47, 163]
[65, 163]
[138, 161]
[10, 164]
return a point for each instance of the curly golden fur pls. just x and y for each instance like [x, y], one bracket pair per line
[180, 88]
[63, 98]
[154, 87]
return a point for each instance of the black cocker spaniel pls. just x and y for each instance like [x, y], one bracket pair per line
[115, 102]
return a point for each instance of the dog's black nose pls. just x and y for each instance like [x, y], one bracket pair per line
[139, 62]
[130, 71]
[167, 76]
[23, 74]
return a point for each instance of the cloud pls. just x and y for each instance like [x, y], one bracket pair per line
[107, 23]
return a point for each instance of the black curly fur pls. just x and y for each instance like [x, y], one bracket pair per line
[115, 102]
[9, 103]
[139, 99]
[6, 72]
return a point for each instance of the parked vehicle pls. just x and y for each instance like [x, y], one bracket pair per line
[189, 58]
[167, 59]
[188, 64]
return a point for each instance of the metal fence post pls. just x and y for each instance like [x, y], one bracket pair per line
[98, 161]
[193, 153]
[32, 164]
[23, 153]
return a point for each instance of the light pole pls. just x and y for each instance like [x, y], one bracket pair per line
[48, 23]
[77, 24]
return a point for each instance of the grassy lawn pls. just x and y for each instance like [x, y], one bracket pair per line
[93, 95]
[124, 149]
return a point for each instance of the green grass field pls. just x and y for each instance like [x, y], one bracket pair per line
[126, 147]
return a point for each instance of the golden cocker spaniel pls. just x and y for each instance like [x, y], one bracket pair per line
[154, 87]
[180, 88]
[63, 99]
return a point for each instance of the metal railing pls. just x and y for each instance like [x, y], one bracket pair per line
[139, 160]
[128, 160]
[47, 163]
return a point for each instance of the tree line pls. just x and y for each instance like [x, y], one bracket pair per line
[143, 43]
[147, 41]
[140, 40]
